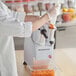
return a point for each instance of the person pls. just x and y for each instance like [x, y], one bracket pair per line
[11, 26]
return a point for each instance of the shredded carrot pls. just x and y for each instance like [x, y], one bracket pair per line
[43, 73]
[51, 26]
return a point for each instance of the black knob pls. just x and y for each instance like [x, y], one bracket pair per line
[44, 33]
[51, 42]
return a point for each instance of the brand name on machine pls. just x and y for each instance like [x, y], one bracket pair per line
[43, 49]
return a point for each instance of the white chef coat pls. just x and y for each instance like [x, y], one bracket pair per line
[10, 27]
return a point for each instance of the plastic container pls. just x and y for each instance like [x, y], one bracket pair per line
[41, 6]
[15, 4]
[35, 8]
[43, 73]
[71, 4]
[41, 60]
[28, 8]
[9, 3]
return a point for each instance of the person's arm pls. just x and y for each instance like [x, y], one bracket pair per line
[37, 21]
[10, 26]
[40, 21]
[15, 28]
[31, 18]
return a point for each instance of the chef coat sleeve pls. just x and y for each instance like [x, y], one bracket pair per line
[10, 25]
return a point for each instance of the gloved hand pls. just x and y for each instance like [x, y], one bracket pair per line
[53, 11]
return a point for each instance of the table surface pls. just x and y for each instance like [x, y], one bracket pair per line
[66, 61]
[64, 58]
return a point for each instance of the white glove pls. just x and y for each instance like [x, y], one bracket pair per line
[52, 11]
